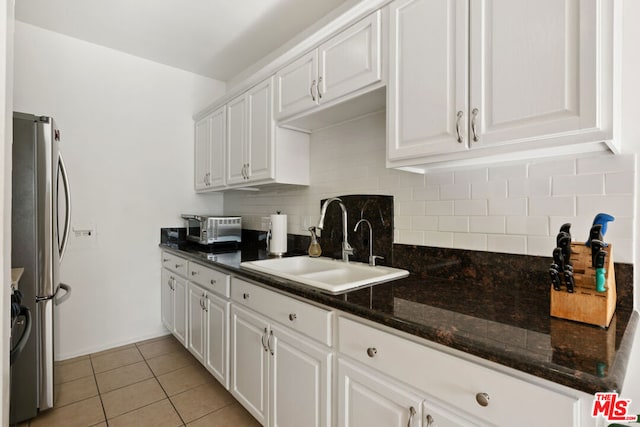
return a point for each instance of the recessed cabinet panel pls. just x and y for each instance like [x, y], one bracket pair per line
[166, 296]
[196, 327]
[297, 85]
[217, 339]
[427, 89]
[533, 68]
[180, 310]
[236, 140]
[351, 60]
[217, 150]
[202, 153]
[260, 120]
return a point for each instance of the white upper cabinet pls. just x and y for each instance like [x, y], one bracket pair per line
[428, 74]
[236, 140]
[210, 141]
[344, 64]
[472, 79]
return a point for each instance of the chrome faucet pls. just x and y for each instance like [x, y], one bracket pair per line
[346, 247]
[372, 257]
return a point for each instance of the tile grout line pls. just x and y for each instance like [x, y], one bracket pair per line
[163, 390]
[95, 379]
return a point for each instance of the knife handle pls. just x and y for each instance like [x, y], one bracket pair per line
[555, 277]
[558, 259]
[568, 280]
[600, 279]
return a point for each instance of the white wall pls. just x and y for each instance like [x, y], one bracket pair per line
[127, 140]
[513, 208]
[6, 109]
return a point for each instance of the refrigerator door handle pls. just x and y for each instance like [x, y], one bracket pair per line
[62, 170]
[59, 300]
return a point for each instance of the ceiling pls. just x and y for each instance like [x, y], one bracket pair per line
[213, 38]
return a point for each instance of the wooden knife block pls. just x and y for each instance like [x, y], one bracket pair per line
[585, 304]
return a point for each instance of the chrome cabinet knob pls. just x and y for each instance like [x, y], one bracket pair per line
[482, 399]
[372, 351]
[292, 317]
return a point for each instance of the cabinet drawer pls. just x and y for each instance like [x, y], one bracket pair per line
[210, 279]
[454, 380]
[174, 263]
[307, 319]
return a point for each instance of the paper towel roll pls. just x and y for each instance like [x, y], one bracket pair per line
[278, 244]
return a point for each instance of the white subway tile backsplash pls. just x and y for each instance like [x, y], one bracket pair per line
[453, 223]
[508, 206]
[455, 191]
[580, 226]
[409, 179]
[411, 208]
[412, 237]
[487, 224]
[470, 176]
[442, 207]
[489, 190]
[438, 238]
[622, 250]
[534, 187]
[541, 246]
[402, 222]
[503, 173]
[577, 184]
[507, 244]
[430, 192]
[606, 163]
[557, 206]
[619, 183]
[620, 228]
[470, 207]
[470, 241]
[528, 225]
[613, 205]
[424, 223]
[439, 178]
[544, 169]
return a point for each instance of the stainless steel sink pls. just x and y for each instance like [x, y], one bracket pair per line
[326, 274]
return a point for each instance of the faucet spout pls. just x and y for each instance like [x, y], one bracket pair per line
[346, 247]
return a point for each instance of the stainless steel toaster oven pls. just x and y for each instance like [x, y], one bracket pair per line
[206, 229]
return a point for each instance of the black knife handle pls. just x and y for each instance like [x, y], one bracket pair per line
[599, 259]
[558, 258]
[596, 247]
[555, 277]
[568, 280]
[565, 244]
[566, 228]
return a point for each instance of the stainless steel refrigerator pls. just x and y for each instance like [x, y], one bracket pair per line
[41, 209]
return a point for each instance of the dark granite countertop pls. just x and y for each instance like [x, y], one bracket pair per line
[509, 325]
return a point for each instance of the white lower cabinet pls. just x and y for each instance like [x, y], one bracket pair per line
[174, 304]
[281, 377]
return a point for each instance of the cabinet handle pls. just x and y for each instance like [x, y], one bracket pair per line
[213, 281]
[430, 421]
[204, 305]
[165, 259]
[313, 97]
[372, 351]
[319, 86]
[246, 295]
[201, 304]
[292, 317]
[242, 171]
[247, 176]
[474, 115]
[459, 118]
[269, 342]
[482, 399]
[193, 273]
[178, 265]
[412, 413]
[262, 340]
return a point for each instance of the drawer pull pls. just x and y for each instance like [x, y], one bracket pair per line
[193, 273]
[372, 351]
[178, 265]
[482, 399]
[412, 413]
[292, 317]
[165, 259]
[245, 295]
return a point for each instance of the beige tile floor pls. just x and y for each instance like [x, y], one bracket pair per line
[152, 383]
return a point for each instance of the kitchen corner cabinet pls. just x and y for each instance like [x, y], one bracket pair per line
[174, 296]
[494, 77]
[346, 63]
[272, 365]
[210, 140]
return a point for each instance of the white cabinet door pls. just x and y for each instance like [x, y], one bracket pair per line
[196, 323]
[300, 372]
[435, 416]
[166, 296]
[427, 91]
[217, 338]
[217, 177]
[180, 309]
[202, 154]
[365, 399]
[236, 140]
[297, 86]
[260, 132]
[249, 379]
[533, 68]
[351, 60]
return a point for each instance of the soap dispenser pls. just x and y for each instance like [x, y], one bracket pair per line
[314, 247]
